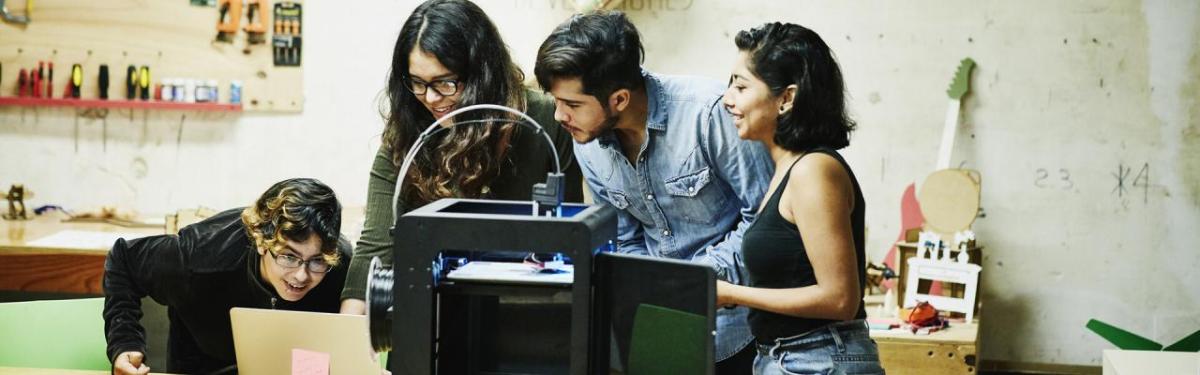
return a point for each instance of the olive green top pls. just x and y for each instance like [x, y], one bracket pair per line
[527, 162]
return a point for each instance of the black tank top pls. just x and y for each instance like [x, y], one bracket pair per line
[775, 258]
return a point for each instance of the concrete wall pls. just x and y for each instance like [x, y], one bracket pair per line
[1083, 121]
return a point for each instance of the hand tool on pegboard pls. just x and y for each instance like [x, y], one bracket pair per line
[102, 82]
[76, 80]
[286, 40]
[9, 16]
[50, 80]
[256, 28]
[23, 84]
[131, 82]
[38, 75]
[230, 16]
[144, 83]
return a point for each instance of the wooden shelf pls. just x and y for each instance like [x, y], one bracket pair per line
[120, 103]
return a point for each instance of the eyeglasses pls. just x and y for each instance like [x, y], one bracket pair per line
[314, 265]
[444, 87]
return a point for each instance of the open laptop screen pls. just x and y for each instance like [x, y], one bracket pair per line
[264, 341]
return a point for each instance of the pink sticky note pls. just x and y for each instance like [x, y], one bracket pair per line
[306, 362]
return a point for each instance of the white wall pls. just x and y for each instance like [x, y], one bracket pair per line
[1075, 88]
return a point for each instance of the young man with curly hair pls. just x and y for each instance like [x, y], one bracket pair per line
[284, 252]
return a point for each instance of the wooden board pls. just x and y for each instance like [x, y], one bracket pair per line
[950, 201]
[29, 268]
[901, 358]
[951, 351]
[24, 266]
[57, 273]
[173, 38]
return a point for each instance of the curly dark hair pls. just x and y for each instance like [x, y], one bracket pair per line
[783, 54]
[601, 48]
[463, 160]
[293, 210]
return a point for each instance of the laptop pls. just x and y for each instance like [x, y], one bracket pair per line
[268, 342]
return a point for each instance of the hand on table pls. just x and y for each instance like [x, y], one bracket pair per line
[130, 363]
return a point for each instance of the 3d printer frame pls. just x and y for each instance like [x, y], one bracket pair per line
[491, 225]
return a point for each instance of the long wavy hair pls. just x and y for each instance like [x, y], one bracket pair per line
[461, 161]
[293, 210]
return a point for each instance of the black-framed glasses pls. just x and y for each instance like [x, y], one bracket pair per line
[444, 87]
[314, 265]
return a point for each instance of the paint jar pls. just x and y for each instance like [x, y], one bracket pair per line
[189, 90]
[203, 93]
[168, 90]
[235, 92]
[214, 91]
[177, 83]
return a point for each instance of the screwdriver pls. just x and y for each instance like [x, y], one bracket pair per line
[36, 77]
[76, 80]
[131, 82]
[103, 84]
[23, 83]
[144, 82]
[50, 82]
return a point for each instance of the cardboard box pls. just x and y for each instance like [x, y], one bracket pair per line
[1140, 362]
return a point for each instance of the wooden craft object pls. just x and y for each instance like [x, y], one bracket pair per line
[941, 268]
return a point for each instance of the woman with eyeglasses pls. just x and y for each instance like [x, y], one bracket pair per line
[284, 252]
[449, 55]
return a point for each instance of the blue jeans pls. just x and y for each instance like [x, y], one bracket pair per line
[835, 349]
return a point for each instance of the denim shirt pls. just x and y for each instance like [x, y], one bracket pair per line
[694, 191]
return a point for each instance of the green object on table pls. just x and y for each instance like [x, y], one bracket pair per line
[59, 334]
[1121, 338]
[668, 341]
[1130, 341]
[1191, 343]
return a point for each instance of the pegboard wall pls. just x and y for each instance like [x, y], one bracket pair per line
[173, 37]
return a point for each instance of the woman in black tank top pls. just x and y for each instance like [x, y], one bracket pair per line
[804, 254]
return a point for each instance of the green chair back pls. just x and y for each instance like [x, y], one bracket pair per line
[60, 334]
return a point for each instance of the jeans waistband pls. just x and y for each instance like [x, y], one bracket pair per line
[834, 333]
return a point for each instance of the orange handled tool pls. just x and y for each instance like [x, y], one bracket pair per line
[229, 19]
[255, 27]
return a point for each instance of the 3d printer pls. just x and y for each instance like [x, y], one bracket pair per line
[418, 306]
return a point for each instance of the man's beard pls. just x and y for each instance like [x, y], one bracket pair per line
[610, 121]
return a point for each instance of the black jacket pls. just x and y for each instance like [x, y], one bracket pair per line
[199, 274]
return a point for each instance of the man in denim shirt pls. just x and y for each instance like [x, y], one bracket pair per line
[663, 151]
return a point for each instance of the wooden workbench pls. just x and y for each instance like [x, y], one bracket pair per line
[28, 267]
[951, 351]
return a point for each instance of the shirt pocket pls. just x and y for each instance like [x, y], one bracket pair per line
[696, 197]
